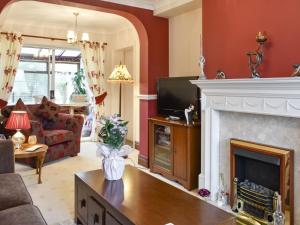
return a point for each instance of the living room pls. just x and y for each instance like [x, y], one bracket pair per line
[212, 157]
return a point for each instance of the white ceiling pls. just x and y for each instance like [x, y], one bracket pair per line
[146, 4]
[30, 13]
[162, 8]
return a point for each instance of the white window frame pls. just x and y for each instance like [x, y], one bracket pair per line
[51, 59]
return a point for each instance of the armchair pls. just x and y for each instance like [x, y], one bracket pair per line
[62, 135]
[72, 123]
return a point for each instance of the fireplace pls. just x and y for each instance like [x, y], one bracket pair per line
[265, 110]
[257, 173]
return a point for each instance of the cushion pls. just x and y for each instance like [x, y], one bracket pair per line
[25, 215]
[48, 110]
[2, 103]
[20, 106]
[6, 111]
[99, 99]
[13, 191]
[53, 137]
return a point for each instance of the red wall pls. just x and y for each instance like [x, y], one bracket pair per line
[230, 27]
[154, 47]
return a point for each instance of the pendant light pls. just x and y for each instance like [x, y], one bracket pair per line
[72, 35]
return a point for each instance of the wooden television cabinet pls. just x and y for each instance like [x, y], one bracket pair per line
[175, 150]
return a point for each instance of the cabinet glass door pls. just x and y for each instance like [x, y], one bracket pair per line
[162, 147]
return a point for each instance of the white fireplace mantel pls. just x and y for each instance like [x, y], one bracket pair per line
[267, 96]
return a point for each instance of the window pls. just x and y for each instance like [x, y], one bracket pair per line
[64, 74]
[33, 78]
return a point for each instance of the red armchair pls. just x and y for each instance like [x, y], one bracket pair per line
[62, 135]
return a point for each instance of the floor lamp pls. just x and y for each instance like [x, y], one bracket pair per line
[120, 75]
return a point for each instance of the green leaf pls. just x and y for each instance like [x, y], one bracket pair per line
[78, 83]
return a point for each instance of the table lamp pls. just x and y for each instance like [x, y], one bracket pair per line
[18, 120]
[120, 75]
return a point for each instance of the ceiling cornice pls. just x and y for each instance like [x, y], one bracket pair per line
[145, 4]
[162, 8]
[169, 8]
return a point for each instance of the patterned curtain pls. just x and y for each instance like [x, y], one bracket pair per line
[10, 48]
[93, 62]
[93, 55]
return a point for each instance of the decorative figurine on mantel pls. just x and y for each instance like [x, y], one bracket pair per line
[256, 57]
[220, 75]
[201, 61]
[201, 65]
[297, 71]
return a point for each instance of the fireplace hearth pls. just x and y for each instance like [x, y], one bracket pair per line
[258, 173]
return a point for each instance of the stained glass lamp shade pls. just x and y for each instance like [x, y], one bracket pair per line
[120, 74]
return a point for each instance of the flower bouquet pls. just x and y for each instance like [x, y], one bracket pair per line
[111, 147]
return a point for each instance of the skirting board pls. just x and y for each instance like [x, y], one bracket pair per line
[143, 161]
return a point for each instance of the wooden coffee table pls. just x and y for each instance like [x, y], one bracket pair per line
[140, 199]
[39, 154]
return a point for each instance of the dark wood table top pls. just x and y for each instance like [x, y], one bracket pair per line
[146, 200]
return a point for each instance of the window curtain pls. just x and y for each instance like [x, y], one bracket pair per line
[93, 57]
[10, 49]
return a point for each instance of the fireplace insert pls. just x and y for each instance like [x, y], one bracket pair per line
[257, 173]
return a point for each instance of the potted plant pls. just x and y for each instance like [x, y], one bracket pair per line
[111, 147]
[79, 94]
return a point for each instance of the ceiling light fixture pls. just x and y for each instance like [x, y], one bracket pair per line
[72, 35]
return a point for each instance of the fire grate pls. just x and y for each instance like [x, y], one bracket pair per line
[256, 195]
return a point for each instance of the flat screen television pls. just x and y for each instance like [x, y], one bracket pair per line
[176, 94]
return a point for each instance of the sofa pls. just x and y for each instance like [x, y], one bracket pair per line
[16, 207]
[60, 131]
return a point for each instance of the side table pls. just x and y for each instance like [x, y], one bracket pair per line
[39, 154]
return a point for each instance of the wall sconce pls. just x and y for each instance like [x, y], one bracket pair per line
[256, 57]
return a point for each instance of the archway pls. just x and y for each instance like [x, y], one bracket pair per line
[154, 54]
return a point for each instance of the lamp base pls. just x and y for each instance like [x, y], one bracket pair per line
[18, 139]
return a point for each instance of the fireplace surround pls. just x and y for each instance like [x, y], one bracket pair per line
[258, 100]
